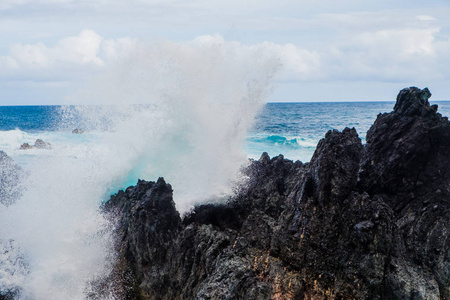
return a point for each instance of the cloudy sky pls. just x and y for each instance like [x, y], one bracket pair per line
[347, 50]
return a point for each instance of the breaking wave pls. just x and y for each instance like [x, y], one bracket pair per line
[181, 111]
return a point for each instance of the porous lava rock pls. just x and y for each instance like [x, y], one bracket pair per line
[356, 222]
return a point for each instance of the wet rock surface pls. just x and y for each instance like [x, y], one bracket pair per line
[357, 222]
[38, 144]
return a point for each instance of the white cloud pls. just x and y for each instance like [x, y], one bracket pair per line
[81, 49]
[388, 55]
[417, 51]
[8, 63]
[298, 63]
[425, 18]
[30, 56]
[113, 49]
[402, 43]
[392, 54]
[87, 51]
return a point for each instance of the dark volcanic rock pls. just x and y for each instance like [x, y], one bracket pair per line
[407, 148]
[335, 164]
[148, 226]
[357, 222]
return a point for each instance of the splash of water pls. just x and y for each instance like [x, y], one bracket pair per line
[202, 98]
[196, 102]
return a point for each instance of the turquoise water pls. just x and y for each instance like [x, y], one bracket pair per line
[294, 129]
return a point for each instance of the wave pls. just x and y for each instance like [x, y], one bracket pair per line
[280, 140]
[292, 147]
[199, 99]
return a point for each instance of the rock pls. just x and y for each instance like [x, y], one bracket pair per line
[413, 101]
[406, 147]
[39, 144]
[335, 163]
[147, 223]
[78, 131]
[357, 222]
[25, 146]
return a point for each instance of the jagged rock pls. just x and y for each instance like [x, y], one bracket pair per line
[357, 222]
[25, 146]
[39, 144]
[335, 164]
[148, 225]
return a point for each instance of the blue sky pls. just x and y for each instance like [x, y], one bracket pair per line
[328, 50]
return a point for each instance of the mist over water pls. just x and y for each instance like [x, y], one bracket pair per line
[198, 101]
[181, 111]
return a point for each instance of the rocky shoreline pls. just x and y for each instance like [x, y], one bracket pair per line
[357, 222]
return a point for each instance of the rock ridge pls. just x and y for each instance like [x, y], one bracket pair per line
[356, 222]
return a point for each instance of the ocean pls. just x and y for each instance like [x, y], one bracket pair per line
[53, 240]
[291, 129]
[294, 129]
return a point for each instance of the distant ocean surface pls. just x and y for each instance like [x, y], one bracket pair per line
[294, 129]
[291, 129]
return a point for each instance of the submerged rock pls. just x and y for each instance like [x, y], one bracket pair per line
[38, 144]
[78, 131]
[357, 222]
[25, 146]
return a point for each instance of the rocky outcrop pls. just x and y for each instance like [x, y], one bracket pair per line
[357, 222]
[38, 144]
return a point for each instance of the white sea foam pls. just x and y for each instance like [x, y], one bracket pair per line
[201, 98]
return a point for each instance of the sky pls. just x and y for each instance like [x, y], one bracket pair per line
[347, 50]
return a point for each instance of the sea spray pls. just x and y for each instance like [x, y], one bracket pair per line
[198, 101]
[167, 109]
[57, 229]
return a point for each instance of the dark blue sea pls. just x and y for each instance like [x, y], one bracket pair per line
[291, 129]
